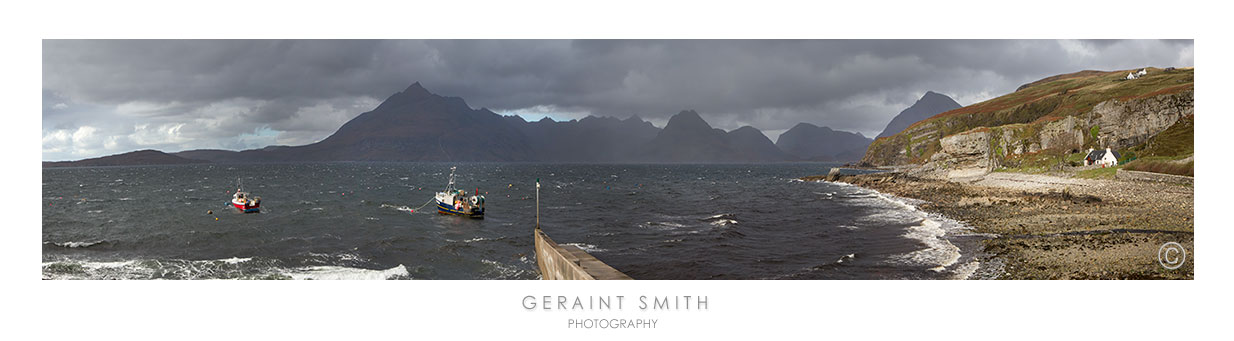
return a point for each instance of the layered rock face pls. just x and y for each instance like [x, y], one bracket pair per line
[1067, 133]
[1128, 123]
[1121, 124]
[964, 154]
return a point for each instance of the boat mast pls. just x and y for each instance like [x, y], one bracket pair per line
[450, 186]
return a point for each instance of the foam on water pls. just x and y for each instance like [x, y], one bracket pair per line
[346, 273]
[236, 260]
[78, 244]
[930, 229]
[587, 247]
[500, 270]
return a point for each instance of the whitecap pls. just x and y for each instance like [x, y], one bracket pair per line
[235, 260]
[346, 273]
[77, 244]
[589, 248]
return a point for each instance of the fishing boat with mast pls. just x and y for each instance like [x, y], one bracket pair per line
[453, 201]
[243, 201]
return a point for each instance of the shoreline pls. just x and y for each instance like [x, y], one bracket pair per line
[1048, 227]
[951, 244]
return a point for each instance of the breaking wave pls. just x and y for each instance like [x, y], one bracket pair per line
[932, 230]
[77, 244]
[227, 268]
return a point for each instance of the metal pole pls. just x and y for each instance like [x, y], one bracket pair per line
[537, 203]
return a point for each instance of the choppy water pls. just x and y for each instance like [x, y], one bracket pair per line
[354, 221]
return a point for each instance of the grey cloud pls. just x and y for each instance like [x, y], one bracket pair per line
[235, 93]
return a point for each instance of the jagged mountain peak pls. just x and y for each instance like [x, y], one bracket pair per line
[930, 104]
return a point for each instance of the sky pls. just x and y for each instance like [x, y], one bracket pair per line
[103, 97]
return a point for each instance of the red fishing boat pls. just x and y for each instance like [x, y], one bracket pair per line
[243, 201]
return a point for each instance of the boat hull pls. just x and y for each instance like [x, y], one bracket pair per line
[442, 208]
[247, 209]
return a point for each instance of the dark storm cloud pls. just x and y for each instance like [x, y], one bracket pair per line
[107, 96]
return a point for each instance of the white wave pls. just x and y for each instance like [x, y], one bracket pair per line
[93, 270]
[77, 244]
[503, 271]
[346, 273]
[400, 208]
[235, 260]
[938, 251]
[105, 265]
[966, 270]
[930, 229]
[724, 222]
[479, 239]
[587, 247]
[661, 225]
[125, 199]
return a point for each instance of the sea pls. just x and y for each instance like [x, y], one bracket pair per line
[376, 221]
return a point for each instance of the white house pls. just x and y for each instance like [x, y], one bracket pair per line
[1105, 158]
[1142, 72]
[1131, 75]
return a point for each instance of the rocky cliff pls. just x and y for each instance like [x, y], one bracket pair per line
[1059, 115]
[1121, 124]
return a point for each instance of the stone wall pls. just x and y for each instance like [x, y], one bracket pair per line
[1123, 174]
[569, 262]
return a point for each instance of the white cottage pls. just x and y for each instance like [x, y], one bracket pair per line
[1142, 72]
[1105, 158]
[1131, 75]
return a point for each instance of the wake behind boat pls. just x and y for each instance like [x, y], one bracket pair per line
[453, 201]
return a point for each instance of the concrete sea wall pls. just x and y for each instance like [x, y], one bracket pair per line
[569, 262]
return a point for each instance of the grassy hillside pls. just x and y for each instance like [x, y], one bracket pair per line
[1026, 110]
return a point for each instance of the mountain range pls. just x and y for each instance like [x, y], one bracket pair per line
[815, 143]
[136, 158]
[418, 125]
